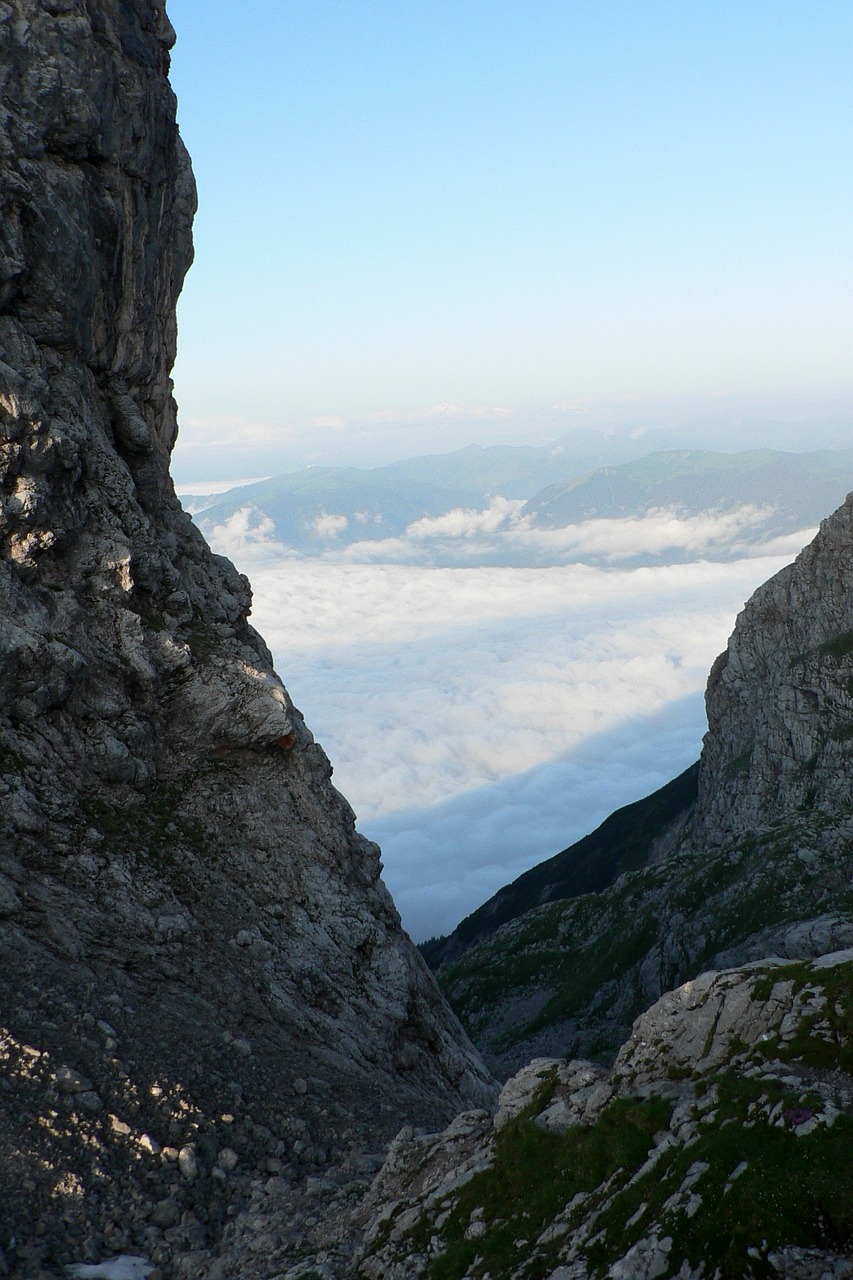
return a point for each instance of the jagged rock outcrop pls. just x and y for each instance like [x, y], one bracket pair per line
[780, 699]
[189, 923]
[706, 1152]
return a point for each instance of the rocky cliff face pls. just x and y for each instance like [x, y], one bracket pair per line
[780, 699]
[190, 926]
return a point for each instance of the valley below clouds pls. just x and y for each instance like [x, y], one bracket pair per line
[479, 716]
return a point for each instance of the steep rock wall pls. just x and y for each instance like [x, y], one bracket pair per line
[175, 864]
[780, 699]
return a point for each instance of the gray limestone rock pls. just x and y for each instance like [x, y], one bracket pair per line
[699, 1057]
[780, 699]
[161, 799]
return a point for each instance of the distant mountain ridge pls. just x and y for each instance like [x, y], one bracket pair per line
[799, 486]
[545, 490]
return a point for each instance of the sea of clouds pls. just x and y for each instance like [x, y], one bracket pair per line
[481, 717]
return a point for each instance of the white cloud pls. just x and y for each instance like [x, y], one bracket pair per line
[500, 532]
[329, 422]
[207, 443]
[204, 488]
[329, 526]
[445, 410]
[230, 432]
[330, 602]
[461, 708]
[654, 533]
[787, 545]
[248, 536]
[464, 523]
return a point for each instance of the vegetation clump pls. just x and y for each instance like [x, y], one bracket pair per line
[534, 1176]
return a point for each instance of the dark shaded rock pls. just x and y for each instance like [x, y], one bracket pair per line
[161, 799]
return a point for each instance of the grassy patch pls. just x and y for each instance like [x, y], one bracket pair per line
[202, 644]
[740, 764]
[842, 732]
[791, 1192]
[830, 1048]
[534, 1176]
[149, 832]
[797, 973]
[618, 951]
[11, 761]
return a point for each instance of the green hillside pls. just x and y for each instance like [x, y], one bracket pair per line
[570, 976]
[620, 844]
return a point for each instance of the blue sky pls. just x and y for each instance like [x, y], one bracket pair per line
[425, 224]
[500, 204]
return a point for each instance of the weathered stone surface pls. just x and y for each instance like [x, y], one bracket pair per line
[704, 1023]
[175, 864]
[700, 1057]
[780, 699]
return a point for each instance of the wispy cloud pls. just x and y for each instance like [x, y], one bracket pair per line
[656, 532]
[500, 514]
[248, 536]
[207, 488]
[500, 533]
[446, 410]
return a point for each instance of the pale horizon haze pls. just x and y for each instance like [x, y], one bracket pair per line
[426, 224]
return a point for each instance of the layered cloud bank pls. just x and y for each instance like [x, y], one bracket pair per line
[482, 718]
[500, 534]
[497, 647]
